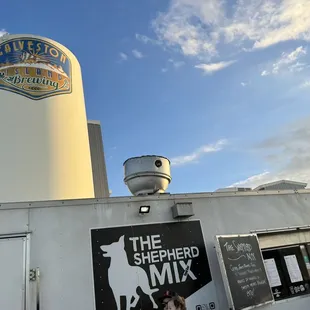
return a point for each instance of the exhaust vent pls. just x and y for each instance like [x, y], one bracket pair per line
[147, 175]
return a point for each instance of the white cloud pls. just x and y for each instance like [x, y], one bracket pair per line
[137, 54]
[3, 32]
[288, 152]
[145, 39]
[244, 84]
[198, 153]
[175, 27]
[213, 67]
[198, 27]
[164, 70]
[123, 56]
[305, 84]
[176, 64]
[254, 180]
[288, 62]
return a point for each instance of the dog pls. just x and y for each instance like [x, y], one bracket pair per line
[125, 279]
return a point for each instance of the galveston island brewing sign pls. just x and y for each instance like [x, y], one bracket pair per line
[134, 265]
[34, 68]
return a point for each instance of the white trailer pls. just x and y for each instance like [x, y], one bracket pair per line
[58, 239]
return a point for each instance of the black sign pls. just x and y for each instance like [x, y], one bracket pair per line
[245, 271]
[134, 265]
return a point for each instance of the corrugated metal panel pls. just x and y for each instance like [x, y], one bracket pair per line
[98, 161]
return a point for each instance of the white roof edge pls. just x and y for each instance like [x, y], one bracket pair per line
[144, 199]
[232, 189]
[279, 182]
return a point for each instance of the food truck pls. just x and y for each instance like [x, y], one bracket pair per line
[229, 249]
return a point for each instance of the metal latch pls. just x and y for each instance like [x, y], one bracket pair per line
[33, 274]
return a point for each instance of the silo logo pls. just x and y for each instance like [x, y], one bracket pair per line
[34, 68]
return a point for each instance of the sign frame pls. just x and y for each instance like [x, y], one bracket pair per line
[224, 273]
[215, 301]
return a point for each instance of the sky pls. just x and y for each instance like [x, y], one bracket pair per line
[221, 88]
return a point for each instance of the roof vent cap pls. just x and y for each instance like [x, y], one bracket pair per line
[147, 175]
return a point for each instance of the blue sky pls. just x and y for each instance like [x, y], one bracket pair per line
[219, 87]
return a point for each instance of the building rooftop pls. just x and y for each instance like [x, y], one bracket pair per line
[281, 184]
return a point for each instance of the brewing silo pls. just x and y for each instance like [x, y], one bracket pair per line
[43, 127]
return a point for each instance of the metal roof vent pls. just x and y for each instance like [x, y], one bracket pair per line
[147, 175]
[233, 189]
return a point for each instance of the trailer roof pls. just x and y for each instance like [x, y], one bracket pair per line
[159, 197]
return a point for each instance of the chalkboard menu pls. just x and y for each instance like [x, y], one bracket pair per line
[244, 271]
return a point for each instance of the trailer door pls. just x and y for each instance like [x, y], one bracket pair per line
[12, 273]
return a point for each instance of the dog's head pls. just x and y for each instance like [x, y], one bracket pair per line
[113, 249]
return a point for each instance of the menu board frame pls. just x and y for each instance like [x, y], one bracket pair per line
[224, 273]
